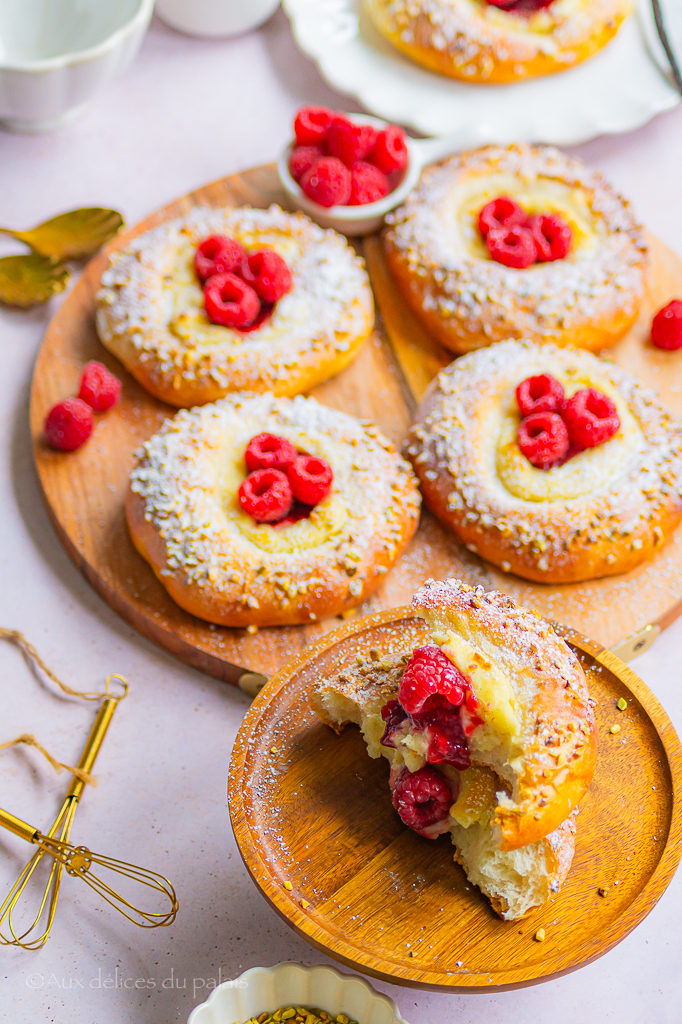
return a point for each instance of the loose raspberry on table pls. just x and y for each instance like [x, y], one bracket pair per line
[591, 418]
[552, 236]
[542, 393]
[502, 212]
[266, 495]
[327, 182]
[390, 150]
[422, 798]
[430, 672]
[68, 424]
[268, 274]
[302, 159]
[543, 439]
[311, 125]
[218, 254]
[230, 302]
[368, 184]
[442, 725]
[349, 141]
[99, 388]
[511, 246]
[666, 327]
[394, 715]
[268, 451]
[311, 479]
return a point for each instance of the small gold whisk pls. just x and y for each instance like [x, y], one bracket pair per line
[78, 860]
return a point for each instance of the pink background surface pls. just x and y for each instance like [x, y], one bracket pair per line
[190, 111]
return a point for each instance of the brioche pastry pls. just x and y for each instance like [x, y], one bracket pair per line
[218, 563]
[531, 744]
[467, 300]
[603, 512]
[478, 42]
[151, 309]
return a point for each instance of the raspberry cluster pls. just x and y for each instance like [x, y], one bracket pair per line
[340, 163]
[69, 424]
[517, 239]
[240, 288]
[282, 486]
[555, 428]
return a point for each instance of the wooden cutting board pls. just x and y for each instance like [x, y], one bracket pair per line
[315, 826]
[84, 490]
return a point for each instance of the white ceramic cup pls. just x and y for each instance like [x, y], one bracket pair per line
[55, 55]
[215, 17]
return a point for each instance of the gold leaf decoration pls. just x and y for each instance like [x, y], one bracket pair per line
[29, 279]
[75, 235]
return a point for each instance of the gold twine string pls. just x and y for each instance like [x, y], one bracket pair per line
[58, 766]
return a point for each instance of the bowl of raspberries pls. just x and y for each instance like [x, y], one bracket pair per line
[346, 171]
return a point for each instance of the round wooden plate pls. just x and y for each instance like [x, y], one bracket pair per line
[315, 826]
[85, 490]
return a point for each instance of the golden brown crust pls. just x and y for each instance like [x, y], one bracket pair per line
[151, 315]
[218, 564]
[433, 246]
[628, 492]
[476, 42]
[560, 733]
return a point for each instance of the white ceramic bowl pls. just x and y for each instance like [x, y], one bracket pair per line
[55, 55]
[215, 17]
[265, 989]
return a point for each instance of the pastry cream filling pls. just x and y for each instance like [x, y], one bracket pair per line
[584, 473]
[535, 195]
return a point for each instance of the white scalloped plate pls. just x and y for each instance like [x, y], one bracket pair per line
[621, 88]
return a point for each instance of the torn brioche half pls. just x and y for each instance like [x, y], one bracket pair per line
[533, 752]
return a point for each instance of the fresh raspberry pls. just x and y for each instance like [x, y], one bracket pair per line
[591, 418]
[666, 327]
[543, 439]
[302, 159]
[367, 185]
[327, 182]
[552, 236]
[543, 393]
[268, 451]
[231, 302]
[311, 125]
[217, 255]
[390, 150]
[310, 479]
[393, 715]
[268, 274]
[427, 672]
[349, 141]
[99, 388]
[68, 424]
[443, 727]
[421, 798]
[513, 247]
[502, 212]
[266, 495]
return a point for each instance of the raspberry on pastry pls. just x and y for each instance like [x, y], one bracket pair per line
[218, 255]
[508, 787]
[576, 267]
[604, 506]
[498, 40]
[539, 394]
[230, 301]
[151, 311]
[242, 552]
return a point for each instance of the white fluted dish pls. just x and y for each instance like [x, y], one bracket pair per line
[265, 989]
[56, 55]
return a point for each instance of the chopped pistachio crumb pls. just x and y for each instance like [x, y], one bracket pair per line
[603, 890]
[252, 629]
[614, 729]
[304, 904]
[288, 886]
[621, 703]
[273, 750]
[540, 935]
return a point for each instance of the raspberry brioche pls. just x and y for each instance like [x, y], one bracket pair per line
[527, 733]
[603, 511]
[187, 511]
[442, 263]
[152, 312]
[479, 41]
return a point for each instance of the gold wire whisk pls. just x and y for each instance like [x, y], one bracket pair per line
[78, 860]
